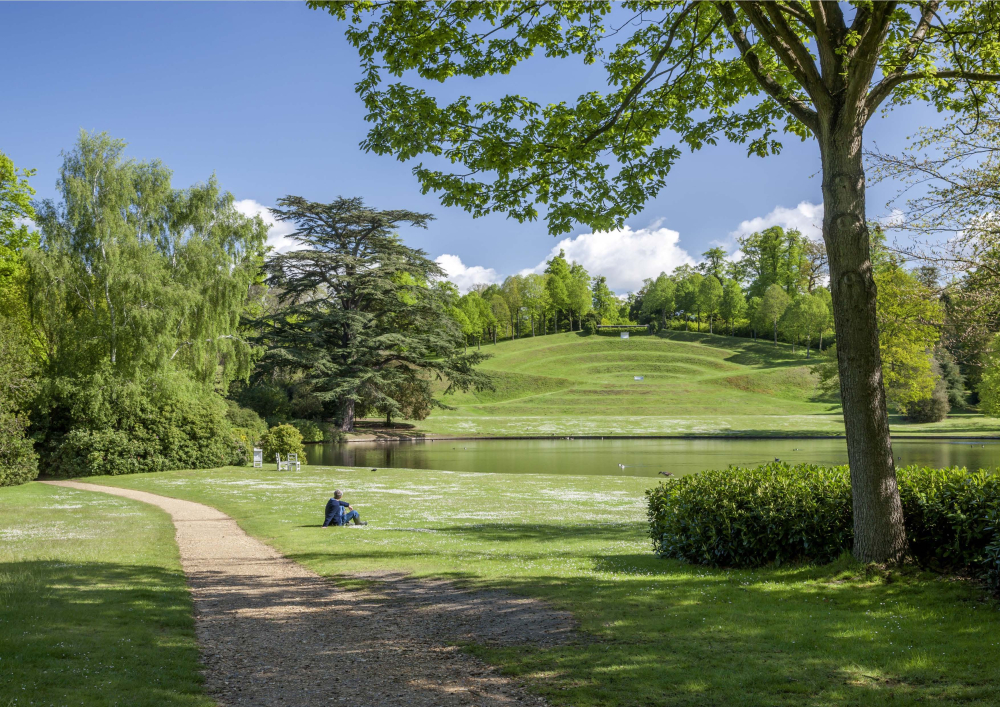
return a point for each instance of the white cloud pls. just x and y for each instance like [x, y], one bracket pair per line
[806, 217]
[625, 257]
[277, 236]
[465, 276]
[895, 219]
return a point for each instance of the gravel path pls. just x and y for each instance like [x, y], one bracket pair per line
[274, 633]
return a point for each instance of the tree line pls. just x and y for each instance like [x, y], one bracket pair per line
[145, 327]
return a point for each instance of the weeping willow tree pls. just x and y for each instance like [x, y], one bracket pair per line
[137, 276]
[136, 293]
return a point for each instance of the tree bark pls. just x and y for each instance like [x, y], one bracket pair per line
[347, 417]
[879, 535]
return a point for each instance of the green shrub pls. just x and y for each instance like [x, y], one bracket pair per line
[745, 517]
[310, 431]
[949, 515]
[283, 440]
[18, 461]
[102, 424]
[775, 513]
[991, 557]
[246, 419]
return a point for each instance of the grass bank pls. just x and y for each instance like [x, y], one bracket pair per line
[653, 631]
[94, 609]
[692, 384]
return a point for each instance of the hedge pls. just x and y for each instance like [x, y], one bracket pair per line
[778, 513]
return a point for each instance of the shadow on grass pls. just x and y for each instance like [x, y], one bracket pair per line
[661, 632]
[667, 633]
[97, 634]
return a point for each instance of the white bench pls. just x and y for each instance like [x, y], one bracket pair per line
[292, 461]
[258, 458]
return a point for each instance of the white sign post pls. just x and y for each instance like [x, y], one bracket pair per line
[624, 334]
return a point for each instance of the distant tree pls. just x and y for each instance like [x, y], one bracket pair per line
[660, 298]
[909, 319]
[468, 304]
[753, 306]
[688, 289]
[774, 256]
[557, 285]
[358, 316]
[604, 302]
[772, 306]
[714, 263]
[486, 319]
[733, 303]
[578, 292]
[710, 299]
[816, 265]
[501, 313]
[510, 290]
[535, 297]
[803, 318]
[823, 294]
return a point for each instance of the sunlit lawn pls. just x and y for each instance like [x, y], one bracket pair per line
[94, 609]
[652, 631]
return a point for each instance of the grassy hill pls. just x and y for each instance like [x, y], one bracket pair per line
[571, 384]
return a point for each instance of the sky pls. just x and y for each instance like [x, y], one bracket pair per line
[262, 95]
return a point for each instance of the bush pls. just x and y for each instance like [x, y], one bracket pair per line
[102, 424]
[949, 515]
[776, 513]
[744, 517]
[310, 431]
[18, 461]
[283, 440]
[933, 408]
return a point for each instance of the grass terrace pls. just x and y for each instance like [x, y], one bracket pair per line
[571, 384]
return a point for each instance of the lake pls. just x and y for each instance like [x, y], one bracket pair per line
[633, 457]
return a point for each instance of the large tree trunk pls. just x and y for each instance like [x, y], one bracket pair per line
[879, 535]
[347, 417]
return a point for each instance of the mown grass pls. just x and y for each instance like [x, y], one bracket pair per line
[573, 384]
[652, 632]
[94, 609]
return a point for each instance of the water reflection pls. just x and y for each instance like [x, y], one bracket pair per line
[633, 457]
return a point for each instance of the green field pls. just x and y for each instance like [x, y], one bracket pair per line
[572, 384]
[94, 608]
[651, 631]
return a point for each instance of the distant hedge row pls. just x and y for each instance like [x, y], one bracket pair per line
[778, 513]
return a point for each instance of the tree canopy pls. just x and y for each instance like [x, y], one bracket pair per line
[359, 319]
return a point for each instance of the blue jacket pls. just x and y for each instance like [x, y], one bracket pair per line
[335, 512]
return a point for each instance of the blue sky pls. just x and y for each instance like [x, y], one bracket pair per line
[262, 95]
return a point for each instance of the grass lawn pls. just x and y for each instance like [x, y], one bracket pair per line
[653, 632]
[94, 609]
[571, 384]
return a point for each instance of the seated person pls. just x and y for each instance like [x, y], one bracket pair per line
[335, 514]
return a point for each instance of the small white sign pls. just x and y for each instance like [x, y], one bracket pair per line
[624, 334]
[638, 378]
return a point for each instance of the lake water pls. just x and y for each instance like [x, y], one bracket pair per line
[633, 457]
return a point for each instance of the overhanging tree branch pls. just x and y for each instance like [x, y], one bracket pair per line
[797, 107]
[882, 90]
